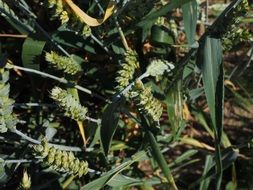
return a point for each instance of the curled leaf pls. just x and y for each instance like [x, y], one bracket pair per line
[88, 19]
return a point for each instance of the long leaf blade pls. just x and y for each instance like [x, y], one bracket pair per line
[212, 71]
[158, 156]
[190, 20]
[109, 124]
[110, 175]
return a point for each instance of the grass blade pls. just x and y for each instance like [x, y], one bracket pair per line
[212, 71]
[228, 157]
[174, 103]
[182, 158]
[109, 124]
[208, 164]
[190, 20]
[161, 160]
[107, 177]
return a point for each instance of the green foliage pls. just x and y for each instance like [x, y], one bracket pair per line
[137, 9]
[229, 24]
[212, 70]
[158, 156]
[233, 34]
[190, 14]
[109, 124]
[234, 37]
[59, 160]
[110, 175]
[31, 51]
[159, 99]
[175, 106]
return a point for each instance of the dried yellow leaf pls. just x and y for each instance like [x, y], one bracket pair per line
[88, 19]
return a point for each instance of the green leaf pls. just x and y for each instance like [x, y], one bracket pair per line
[121, 181]
[109, 124]
[195, 93]
[160, 35]
[200, 117]
[183, 157]
[32, 48]
[70, 39]
[159, 158]
[190, 20]
[210, 67]
[117, 48]
[174, 103]
[205, 182]
[228, 157]
[110, 175]
[189, 68]
[219, 103]
[212, 71]
[162, 11]
[96, 137]
[125, 181]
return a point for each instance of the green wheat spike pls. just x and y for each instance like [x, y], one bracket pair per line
[64, 63]
[128, 67]
[62, 161]
[69, 104]
[7, 10]
[67, 17]
[7, 119]
[145, 102]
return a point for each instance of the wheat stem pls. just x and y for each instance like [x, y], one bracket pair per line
[61, 147]
[61, 80]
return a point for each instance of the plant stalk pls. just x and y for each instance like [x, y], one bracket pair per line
[68, 181]
[161, 160]
[61, 80]
[61, 147]
[121, 33]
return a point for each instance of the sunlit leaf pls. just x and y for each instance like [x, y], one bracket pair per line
[31, 50]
